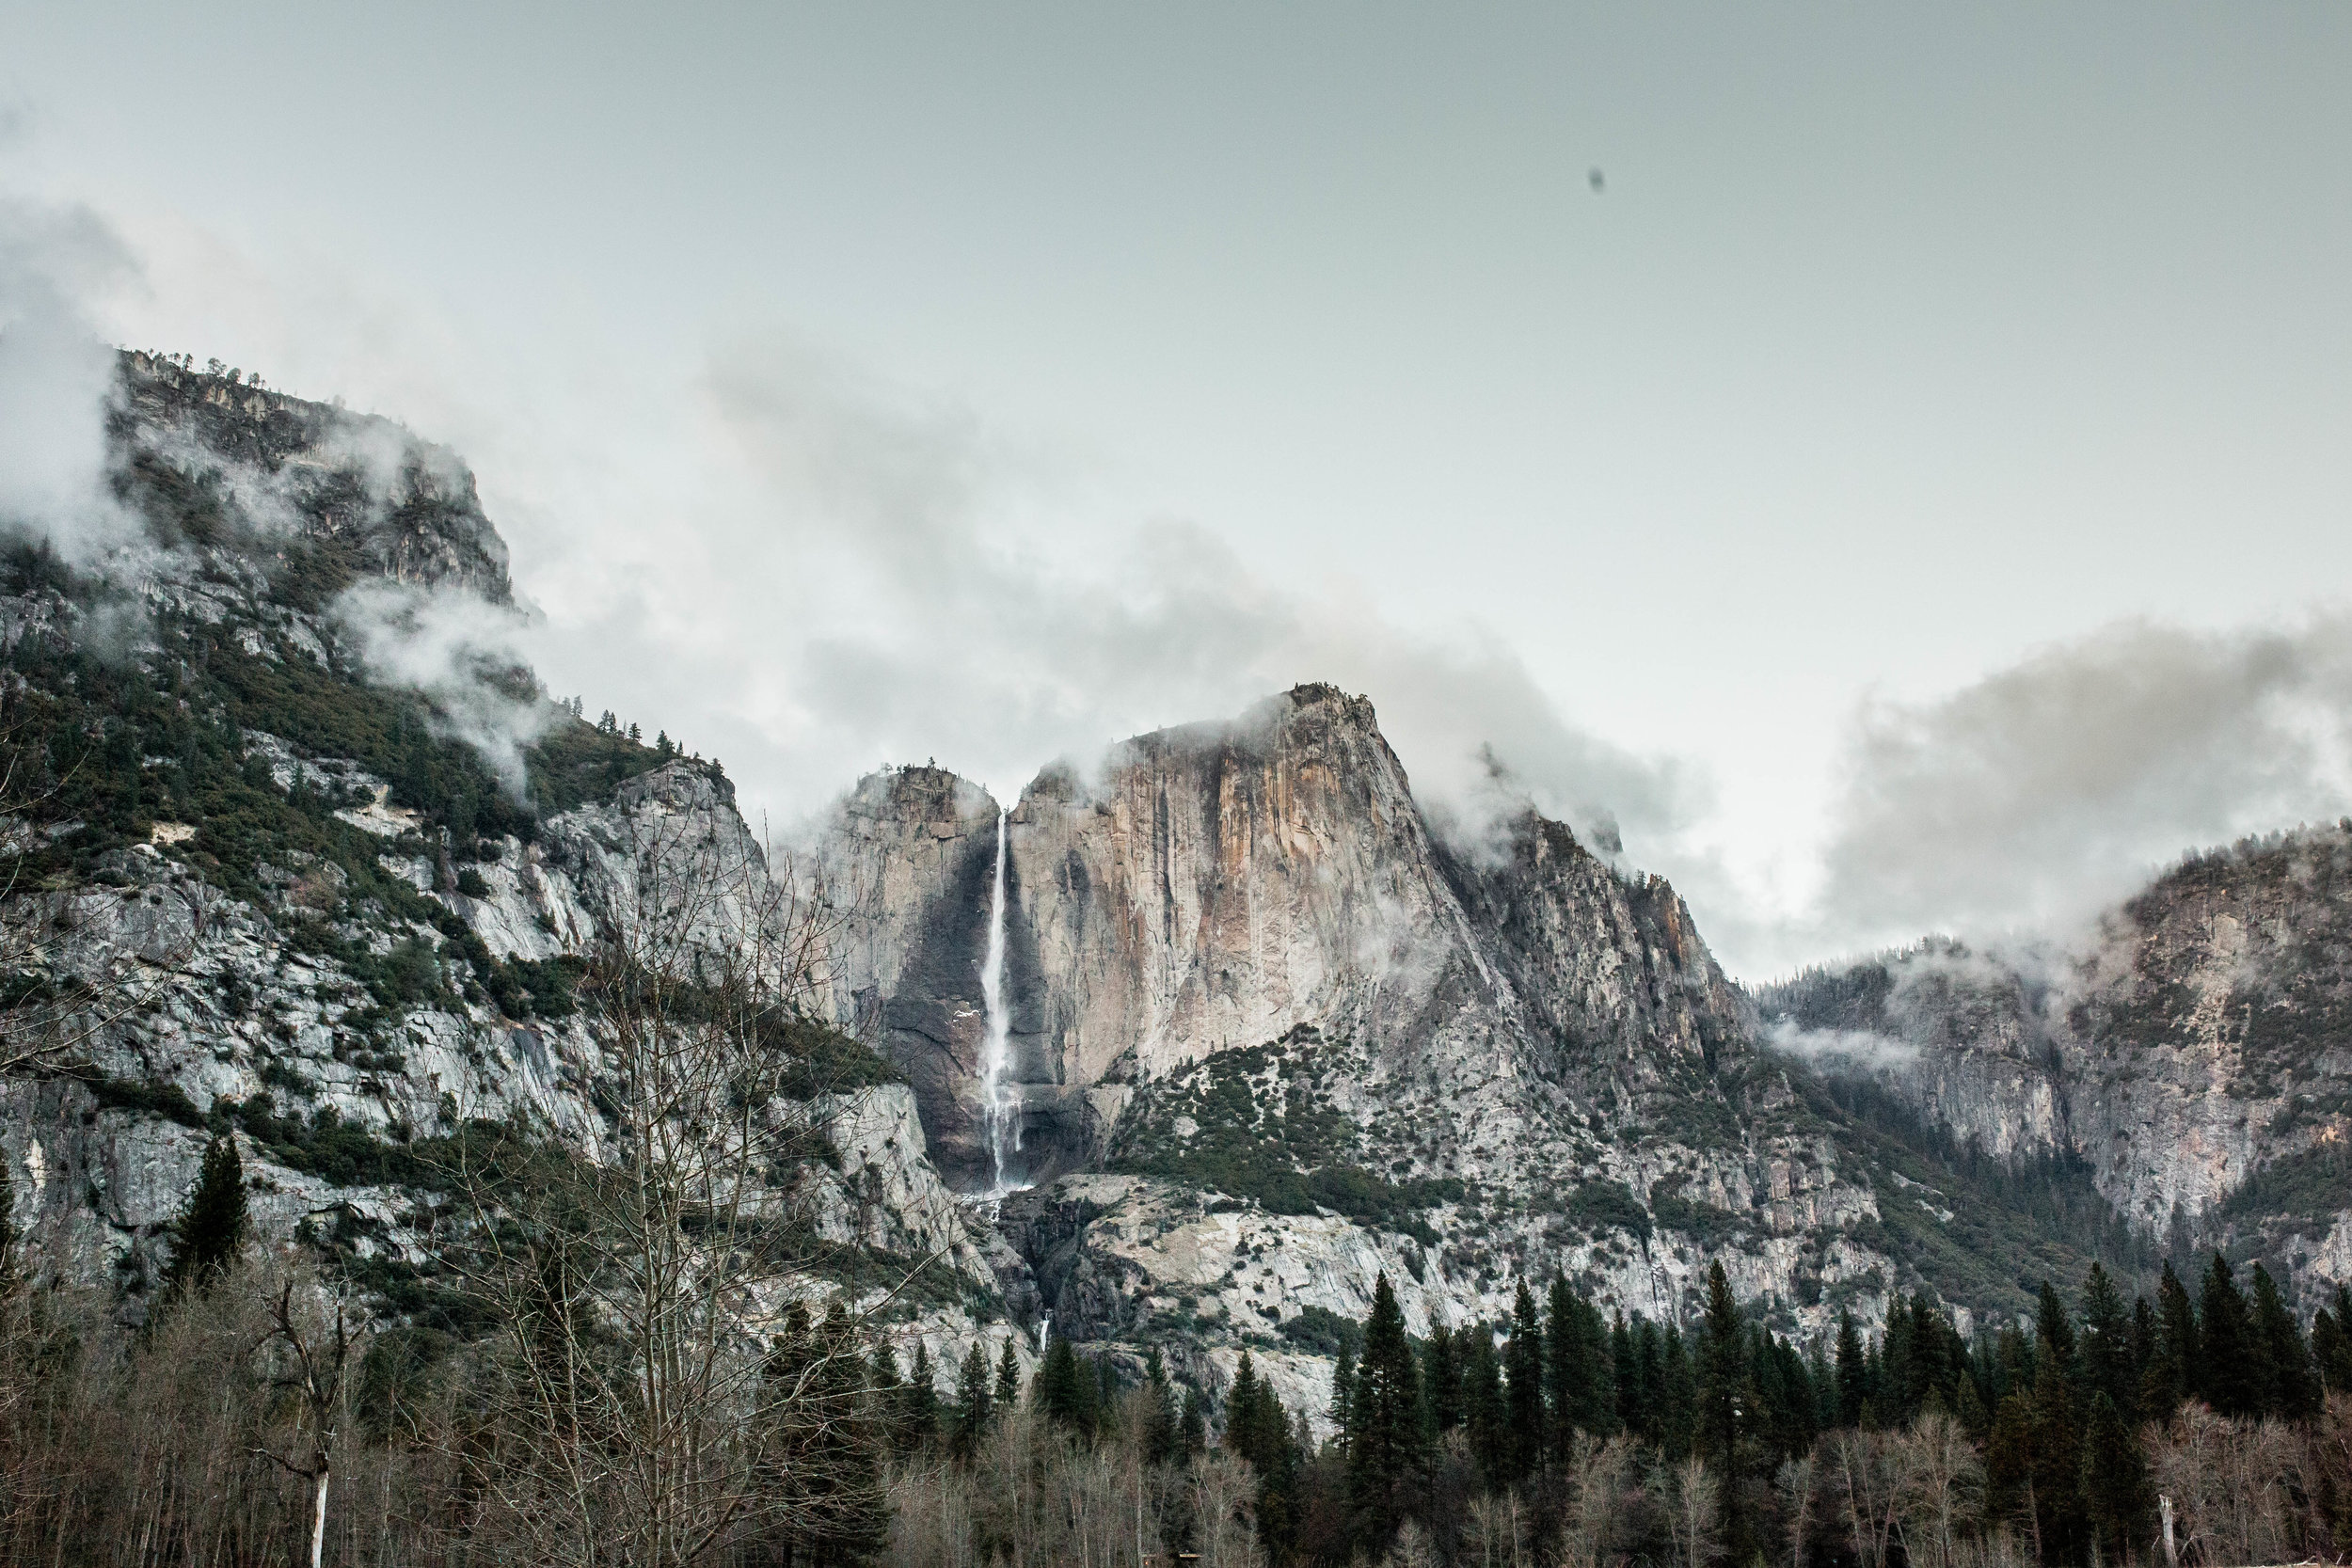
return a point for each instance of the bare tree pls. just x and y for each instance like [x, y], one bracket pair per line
[1797, 1484]
[1692, 1519]
[632, 1412]
[1939, 1482]
[1599, 1486]
[2234, 1485]
[1412, 1548]
[1224, 1498]
[320, 1358]
[1496, 1530]
[1863, 1474]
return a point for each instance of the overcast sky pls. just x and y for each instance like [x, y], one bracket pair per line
[1892, 460]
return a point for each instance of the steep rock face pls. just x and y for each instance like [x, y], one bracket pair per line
[910, 858]
[2209, 1036]
[1243, 975]
[1612, 969]
[311, 951]
[404, 509]
[1965, 1037]
[2198, 1054]
[1220, 886]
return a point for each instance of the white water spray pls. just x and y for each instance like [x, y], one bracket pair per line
[999, 1114]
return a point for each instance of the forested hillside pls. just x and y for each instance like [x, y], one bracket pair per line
[436, 1131]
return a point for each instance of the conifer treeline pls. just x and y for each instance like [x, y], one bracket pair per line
[2060, 1417]
[1557, 1435]
[1562, 1435]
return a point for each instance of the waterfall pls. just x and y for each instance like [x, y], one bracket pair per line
[999, 1110]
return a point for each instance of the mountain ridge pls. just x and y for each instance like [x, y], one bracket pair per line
[1273, 1035]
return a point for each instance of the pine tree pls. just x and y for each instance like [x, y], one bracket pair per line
[1624, 1365]
[1723, 1398]
[1485, 1412]
[7, 1227]
[1677, 1402]
[1007, 1378]
[2115, 1483]
[2225, 1374]
[1784, 1394]
[2331, 1341]
[1974, 1419]
[2169, 1377]
[1853, 1389]
[2282, 1359]
[2012, 1362]
[1105, 1391]
[890, 1399]
[1193, 1429]
[975, 1406]
[832, 1468]
[1065, 1391]
[1240, 1406]
[1441, 1374]
[1257, 1429]
[2146, 1338]
[1157, 1410]
[1566, 1377]
[1593, 1383]
[921, 1415]
[2009, 1461]
[211, 1227]
[2054, 1332]
[2107, 1344]
[1824, 1377]
[1523, 1376]
[1936, 1353]
[2057, 1463]
[1641, 1393]
[1343, 1411]
[1899, 1372]
[1384, 1460]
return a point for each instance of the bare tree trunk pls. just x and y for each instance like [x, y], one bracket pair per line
[318, 1522]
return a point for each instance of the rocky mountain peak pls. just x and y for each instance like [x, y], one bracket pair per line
[1217, 886]
[275, 468]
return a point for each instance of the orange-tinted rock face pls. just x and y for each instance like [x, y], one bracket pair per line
[1219, 886]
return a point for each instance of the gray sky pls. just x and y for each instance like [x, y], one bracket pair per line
[1839, 499]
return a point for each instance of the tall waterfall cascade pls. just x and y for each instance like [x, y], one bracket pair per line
[999, 1106]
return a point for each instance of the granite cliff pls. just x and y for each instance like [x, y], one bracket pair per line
[324, 910]
[1270, 1035]
[2193, 1054]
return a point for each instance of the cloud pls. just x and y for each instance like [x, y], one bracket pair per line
[966, 644]
[57, 378]
[459, 651]
[800, 566]
[849, 574]
[2033, 798]
[1841, 1049]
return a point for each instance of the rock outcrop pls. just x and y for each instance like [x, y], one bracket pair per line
[1246, 976]
[1219, 886]
[332, 957]
[1271, 1036]
[2197, 1053]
